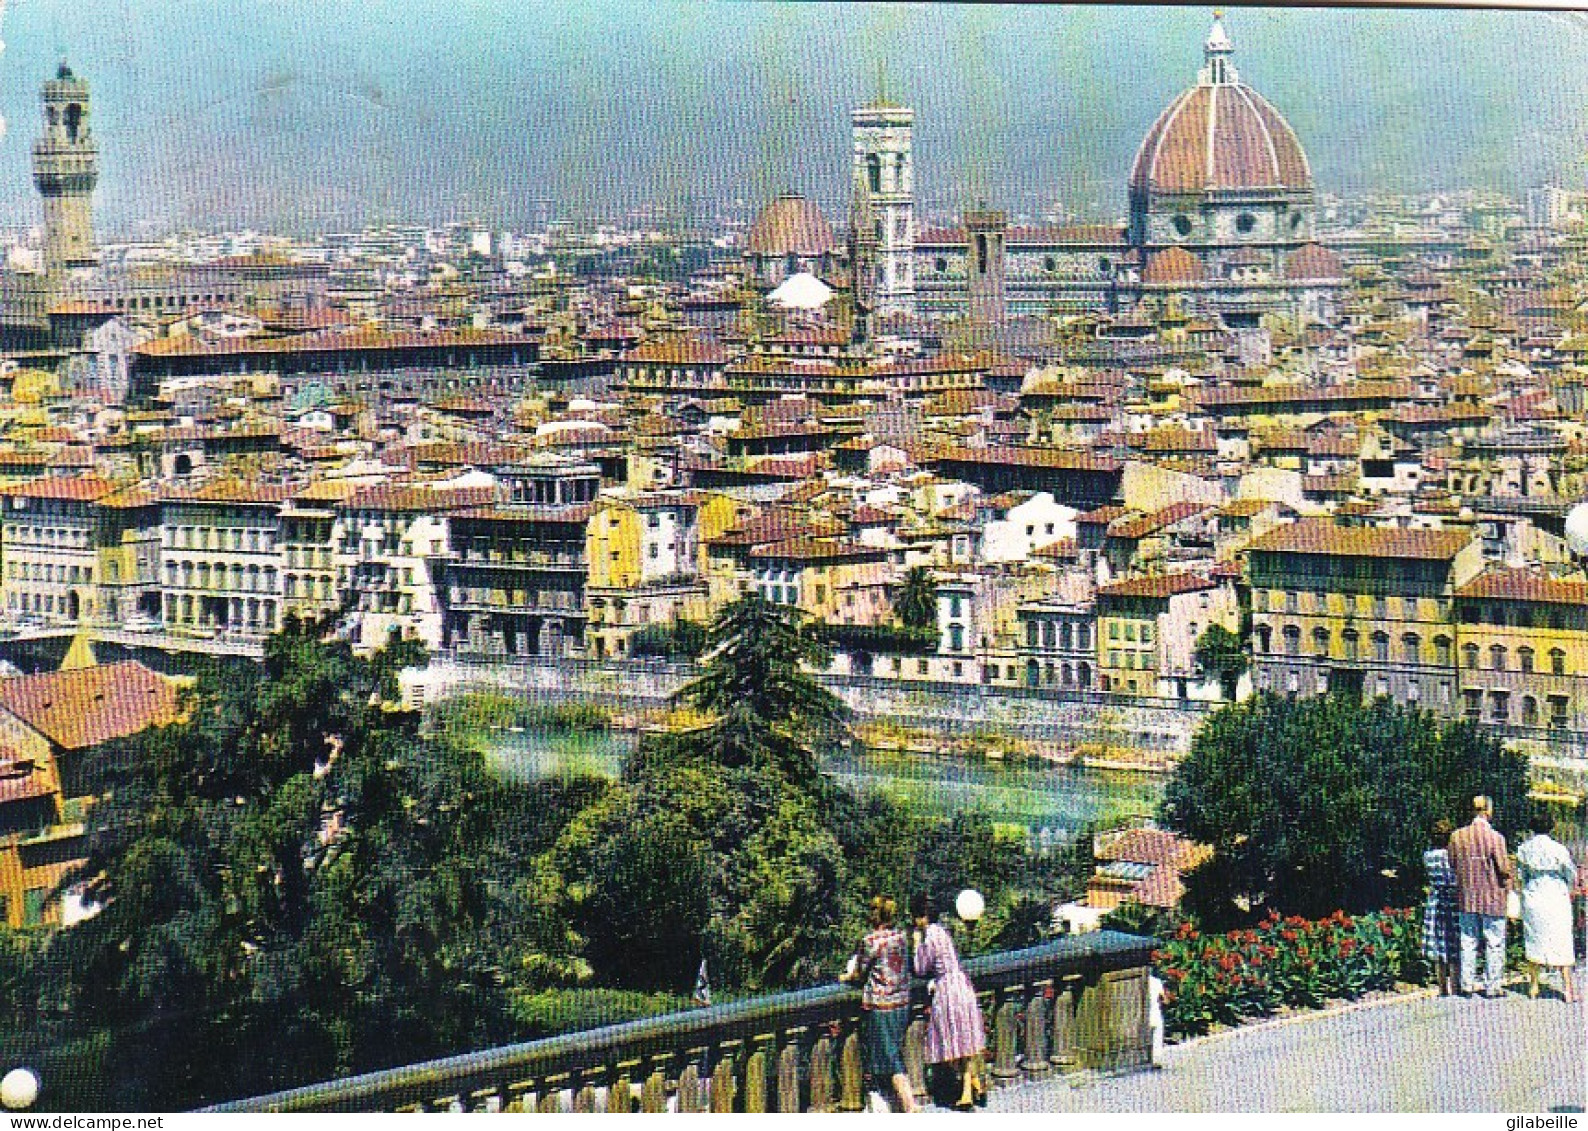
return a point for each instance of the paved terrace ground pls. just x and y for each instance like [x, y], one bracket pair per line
[1416, 1054]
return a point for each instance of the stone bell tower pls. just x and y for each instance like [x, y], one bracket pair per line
[65, 170]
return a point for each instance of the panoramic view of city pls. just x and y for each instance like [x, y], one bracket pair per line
[710, 557]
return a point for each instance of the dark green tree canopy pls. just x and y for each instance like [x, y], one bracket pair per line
[915, 603]
[1323, 804]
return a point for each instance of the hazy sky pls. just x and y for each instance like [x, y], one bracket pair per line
[300, 114]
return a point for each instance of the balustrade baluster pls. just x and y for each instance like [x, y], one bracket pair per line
[788, 1074]
[653, 1093]
[1064, 1002]
[1006, 1039]
[584, 1100]
[915, 1055]
[822, 1075]
[852, 1093]
[724, 1084]
[1035, 1062]
[755, 1077]
[689, 1097]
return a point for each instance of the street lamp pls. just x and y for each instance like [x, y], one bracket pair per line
[1577, 534]
[970, 906]
[19, 1089]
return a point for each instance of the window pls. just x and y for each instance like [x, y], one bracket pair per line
[1497, 658]
[1411, 647]
[1474, 702]
[1529, 711]
[1292, 601]
[1349, 641]
[1557, 661]
[1182, 225]
[1245, 222]
[1524, 658]
[1442, 650]
[1557, 710]
[1500, 706]
[1130, 632]
[956, 606]
[956, 638]
[1146, 633]
[1048, 638]
[1032, 630]
[1469, 654]
[1320, 642]
[1292, 635]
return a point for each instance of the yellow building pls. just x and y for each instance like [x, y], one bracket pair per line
[1359, 610]
[833, 581]
[1147, 629]
[645, 555]
[1522, 649]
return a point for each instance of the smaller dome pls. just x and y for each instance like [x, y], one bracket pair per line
[790, 225]
[803, 291]
[1313, 261]
[1173, 265]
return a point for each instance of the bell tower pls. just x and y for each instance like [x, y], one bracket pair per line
[65, 170]
[884, 162]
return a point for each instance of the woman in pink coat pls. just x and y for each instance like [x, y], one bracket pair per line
[955, 1033]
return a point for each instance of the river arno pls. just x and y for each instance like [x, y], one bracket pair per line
[1053, 801]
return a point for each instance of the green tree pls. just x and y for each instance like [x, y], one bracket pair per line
[915, 603]
[756, 683]
[1220, 654]
[1324, 804]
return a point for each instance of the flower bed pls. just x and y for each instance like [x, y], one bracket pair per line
[1223, 979]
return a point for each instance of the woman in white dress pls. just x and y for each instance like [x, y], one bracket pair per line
[1547, 874]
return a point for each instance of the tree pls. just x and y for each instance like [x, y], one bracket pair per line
[915, 604]
[757, 684]
[1220, 654]
[1324, 804]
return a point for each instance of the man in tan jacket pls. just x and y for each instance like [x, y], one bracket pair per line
[1483, 876]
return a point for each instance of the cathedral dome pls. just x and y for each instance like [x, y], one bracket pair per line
[790, 225]
[1220, 136]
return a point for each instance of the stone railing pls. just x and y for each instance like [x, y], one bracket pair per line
[1079, 1003]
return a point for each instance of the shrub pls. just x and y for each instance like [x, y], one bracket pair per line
[886, 638]
[1222, 979]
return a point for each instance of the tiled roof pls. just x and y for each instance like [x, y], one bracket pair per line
[1525, 585]
[1220, 137]
[1159, 585]
[813, 549]
[85, 489]
[413, 498]
[1140, 527]
[87, 706]
[1320, 536]
[364, 339]
[228, 491]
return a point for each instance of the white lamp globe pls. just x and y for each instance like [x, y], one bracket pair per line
[1577, 529]
[969, 905]
[18, 1089]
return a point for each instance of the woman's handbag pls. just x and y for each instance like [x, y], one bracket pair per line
[1513, 904]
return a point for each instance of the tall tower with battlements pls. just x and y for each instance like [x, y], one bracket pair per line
[65, 170]
[885, 164]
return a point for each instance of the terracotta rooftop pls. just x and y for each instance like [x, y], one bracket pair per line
[1159, 585]
[1320, 536]
[1525, 585]
[87, 706]
[85, 489]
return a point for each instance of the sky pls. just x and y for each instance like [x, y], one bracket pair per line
[305, 115]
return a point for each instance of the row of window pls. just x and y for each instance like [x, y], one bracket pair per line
[60, 573]
[26, 534]
[240, 539]
[1411, 649]
[1067, 635]
[1131, 631]
[189, 611]
[220, 575]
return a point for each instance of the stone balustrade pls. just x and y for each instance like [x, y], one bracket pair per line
[1078, 1003]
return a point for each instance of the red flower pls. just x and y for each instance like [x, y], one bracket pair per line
[1347, 947]
[1386, 928]
[1268, 951]
[1368, 950]
[1289, 936]
[1227, 963]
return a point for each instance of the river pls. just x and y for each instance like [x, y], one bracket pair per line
[1052, 801]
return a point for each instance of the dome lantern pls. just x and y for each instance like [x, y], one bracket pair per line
[1218, 68]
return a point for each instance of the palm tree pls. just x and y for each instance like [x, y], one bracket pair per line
[915, 604]
[754, 681]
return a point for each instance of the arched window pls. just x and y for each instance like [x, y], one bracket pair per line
[1524, 658]
[1469, 656]
[1442, 650]
[1320, 642]
[1381, 647]
[1292, 640]
[1412, 647]
[1557, 661]
[1497, 657]
[1349, 642]
[1264, 638]
[1529, 711]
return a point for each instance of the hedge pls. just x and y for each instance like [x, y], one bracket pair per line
[879, 638]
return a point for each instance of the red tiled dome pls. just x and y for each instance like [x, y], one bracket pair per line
[790, 225]
[1220, 137]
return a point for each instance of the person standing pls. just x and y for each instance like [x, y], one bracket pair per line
[1547, 874]
[1483, 876]
[881, 967]
[1441, 918]
[955, 1032]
